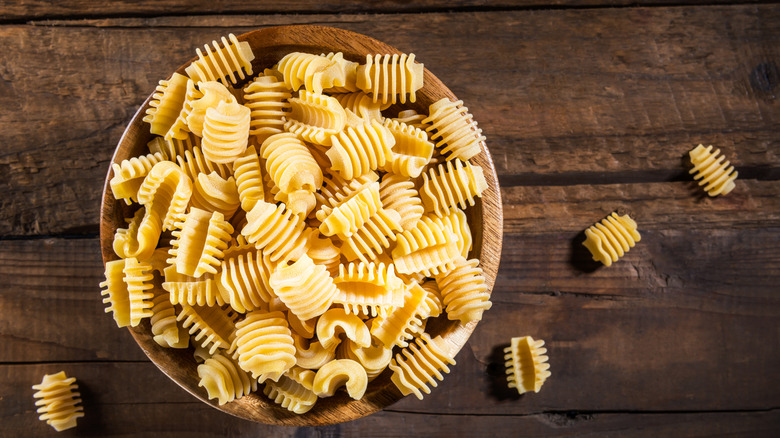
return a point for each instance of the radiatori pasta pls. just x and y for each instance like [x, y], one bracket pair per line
[308, 220]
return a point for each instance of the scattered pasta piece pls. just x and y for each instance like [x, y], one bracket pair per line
[526, 366]
[59, 401]
[609, 239]
[717, 175]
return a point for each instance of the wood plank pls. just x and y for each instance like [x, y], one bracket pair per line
[630, 103]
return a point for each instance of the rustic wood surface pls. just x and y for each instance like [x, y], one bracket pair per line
[587, 109]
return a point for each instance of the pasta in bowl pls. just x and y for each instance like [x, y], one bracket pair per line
[301, 226]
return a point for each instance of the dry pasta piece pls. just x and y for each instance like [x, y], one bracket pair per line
[173, 148]
[199, 242]
[301, 327]
[368, 288]
[249, 179]
[398, 193]
[356, 151]
[420, 365]
[374, 237]
[305, 288]
[335, 322]
[374, 358]
[165, 193]
[208, 95]
[311, 354]
[526, 365]
[264, 344]
[413, 118]
[276, 231]
[290, 163]
[403, 322]
[293, 390]
[348, 216]
[225, 132]
[114, 292]
[315, 72]
[323, 252]
[212, 192]
[433, 300]
[452, 185]
[129, 242]
[59, 401]
[166, 104]
[459, 224]
[138, 281]
[193, 163]
[338, 373]
[179, 129]
[315, 117]
[454, 127]
[464, 292]
[243, 281]
[717, 175]
[412, 150]
[336, 190]
[185, 289]
[224, 62]
[429, 247]
[224, 380]
[165, 331]
[268, 101]
[390, 78]
[609, 239]
[350, 73]
[361, 105]
[214, 326]
[130, 173]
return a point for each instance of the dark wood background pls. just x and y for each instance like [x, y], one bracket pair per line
[588, 105]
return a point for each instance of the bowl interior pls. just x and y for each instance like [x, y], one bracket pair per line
[485, 220]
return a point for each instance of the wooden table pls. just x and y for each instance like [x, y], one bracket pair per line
[588, 105]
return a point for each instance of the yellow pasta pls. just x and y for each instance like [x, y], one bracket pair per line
[249, 179]
[305, 288]
[276, 231]
[243, 281]
[293, 390]
[350, 73]
[199, 242]
[165, 331]
[526, 365]
[464, 292]
[290, 164]
[420, 365]
[165, 193]
[166, 104]
[185, 289]
[413, 118]
[458, 222]
[717, 175]
[213, 327]
[224, 380]
[335, 322]
[130, 173]
[374, 358]
[429, 247]
[138, 281]
[311, 354]
[58, 401]
[179, 129]
[398, 193]
[348, 216]
[373, 237]
[114, 292]
[356, 151]
[611, 238]
[390, 78]
[450, 186]
[315, 72]
[361, 104]
[207, 95]
[368, 288]
[173, 148]
[412, 150]
[338, 373]
[403, 322]
[129, 242]
[336, 190]
[323, 252]
[193, 163]
[225, 132]
[455, 129]
[315, 117]
[212, 192]
[433, 300]
[226, 61]
[264, 344]
[267, 99]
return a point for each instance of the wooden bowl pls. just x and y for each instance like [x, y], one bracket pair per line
[485, 219]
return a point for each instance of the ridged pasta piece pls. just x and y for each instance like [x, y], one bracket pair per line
[347, 217]
[361, 104]
[315, 72]
[268, 101]
[374, 237]
[370, 289]
[526, 365]
[249, 179]
[209, 94]
[166, 104]
[243, 281]
[412, 150]
[276, 231]
[174, 147]
[455, 129]
[130, 173]
[315, 117]
[311, 354]
[305, 288]
[413, 118]
[338, 373]
[403, 322]
[199, 242]
[374, 358]
[165, 193]
[458, 222]
[717, 175]
[356, 151]
[212, 192]
[129, 243]
[433, 301]
[165, 331]
[421, 365]
[213, 327]
[293, 390]
[390, 78]
[336, 322]
[398, 193]
[114, 292]
[193, 163]
[184, 289]
[58, 401]
[179, 129]
[463, 291]
[452, 185]
[224, 62]
[350, 73]
[302, 327]
[264, 344]
[224, 380]
[323, 252]
[290, 163]
[138, 281]
[225, 132]
[335, 189]
[429, 247]
[611, 238]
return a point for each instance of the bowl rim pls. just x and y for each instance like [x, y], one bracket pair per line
[381, 392]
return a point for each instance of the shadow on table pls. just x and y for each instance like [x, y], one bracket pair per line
[580, 257]
[496, 371]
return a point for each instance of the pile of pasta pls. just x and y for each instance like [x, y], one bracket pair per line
[302, 236]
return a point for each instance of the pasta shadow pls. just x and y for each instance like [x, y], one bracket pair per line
[580, 258]
[496, 373]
